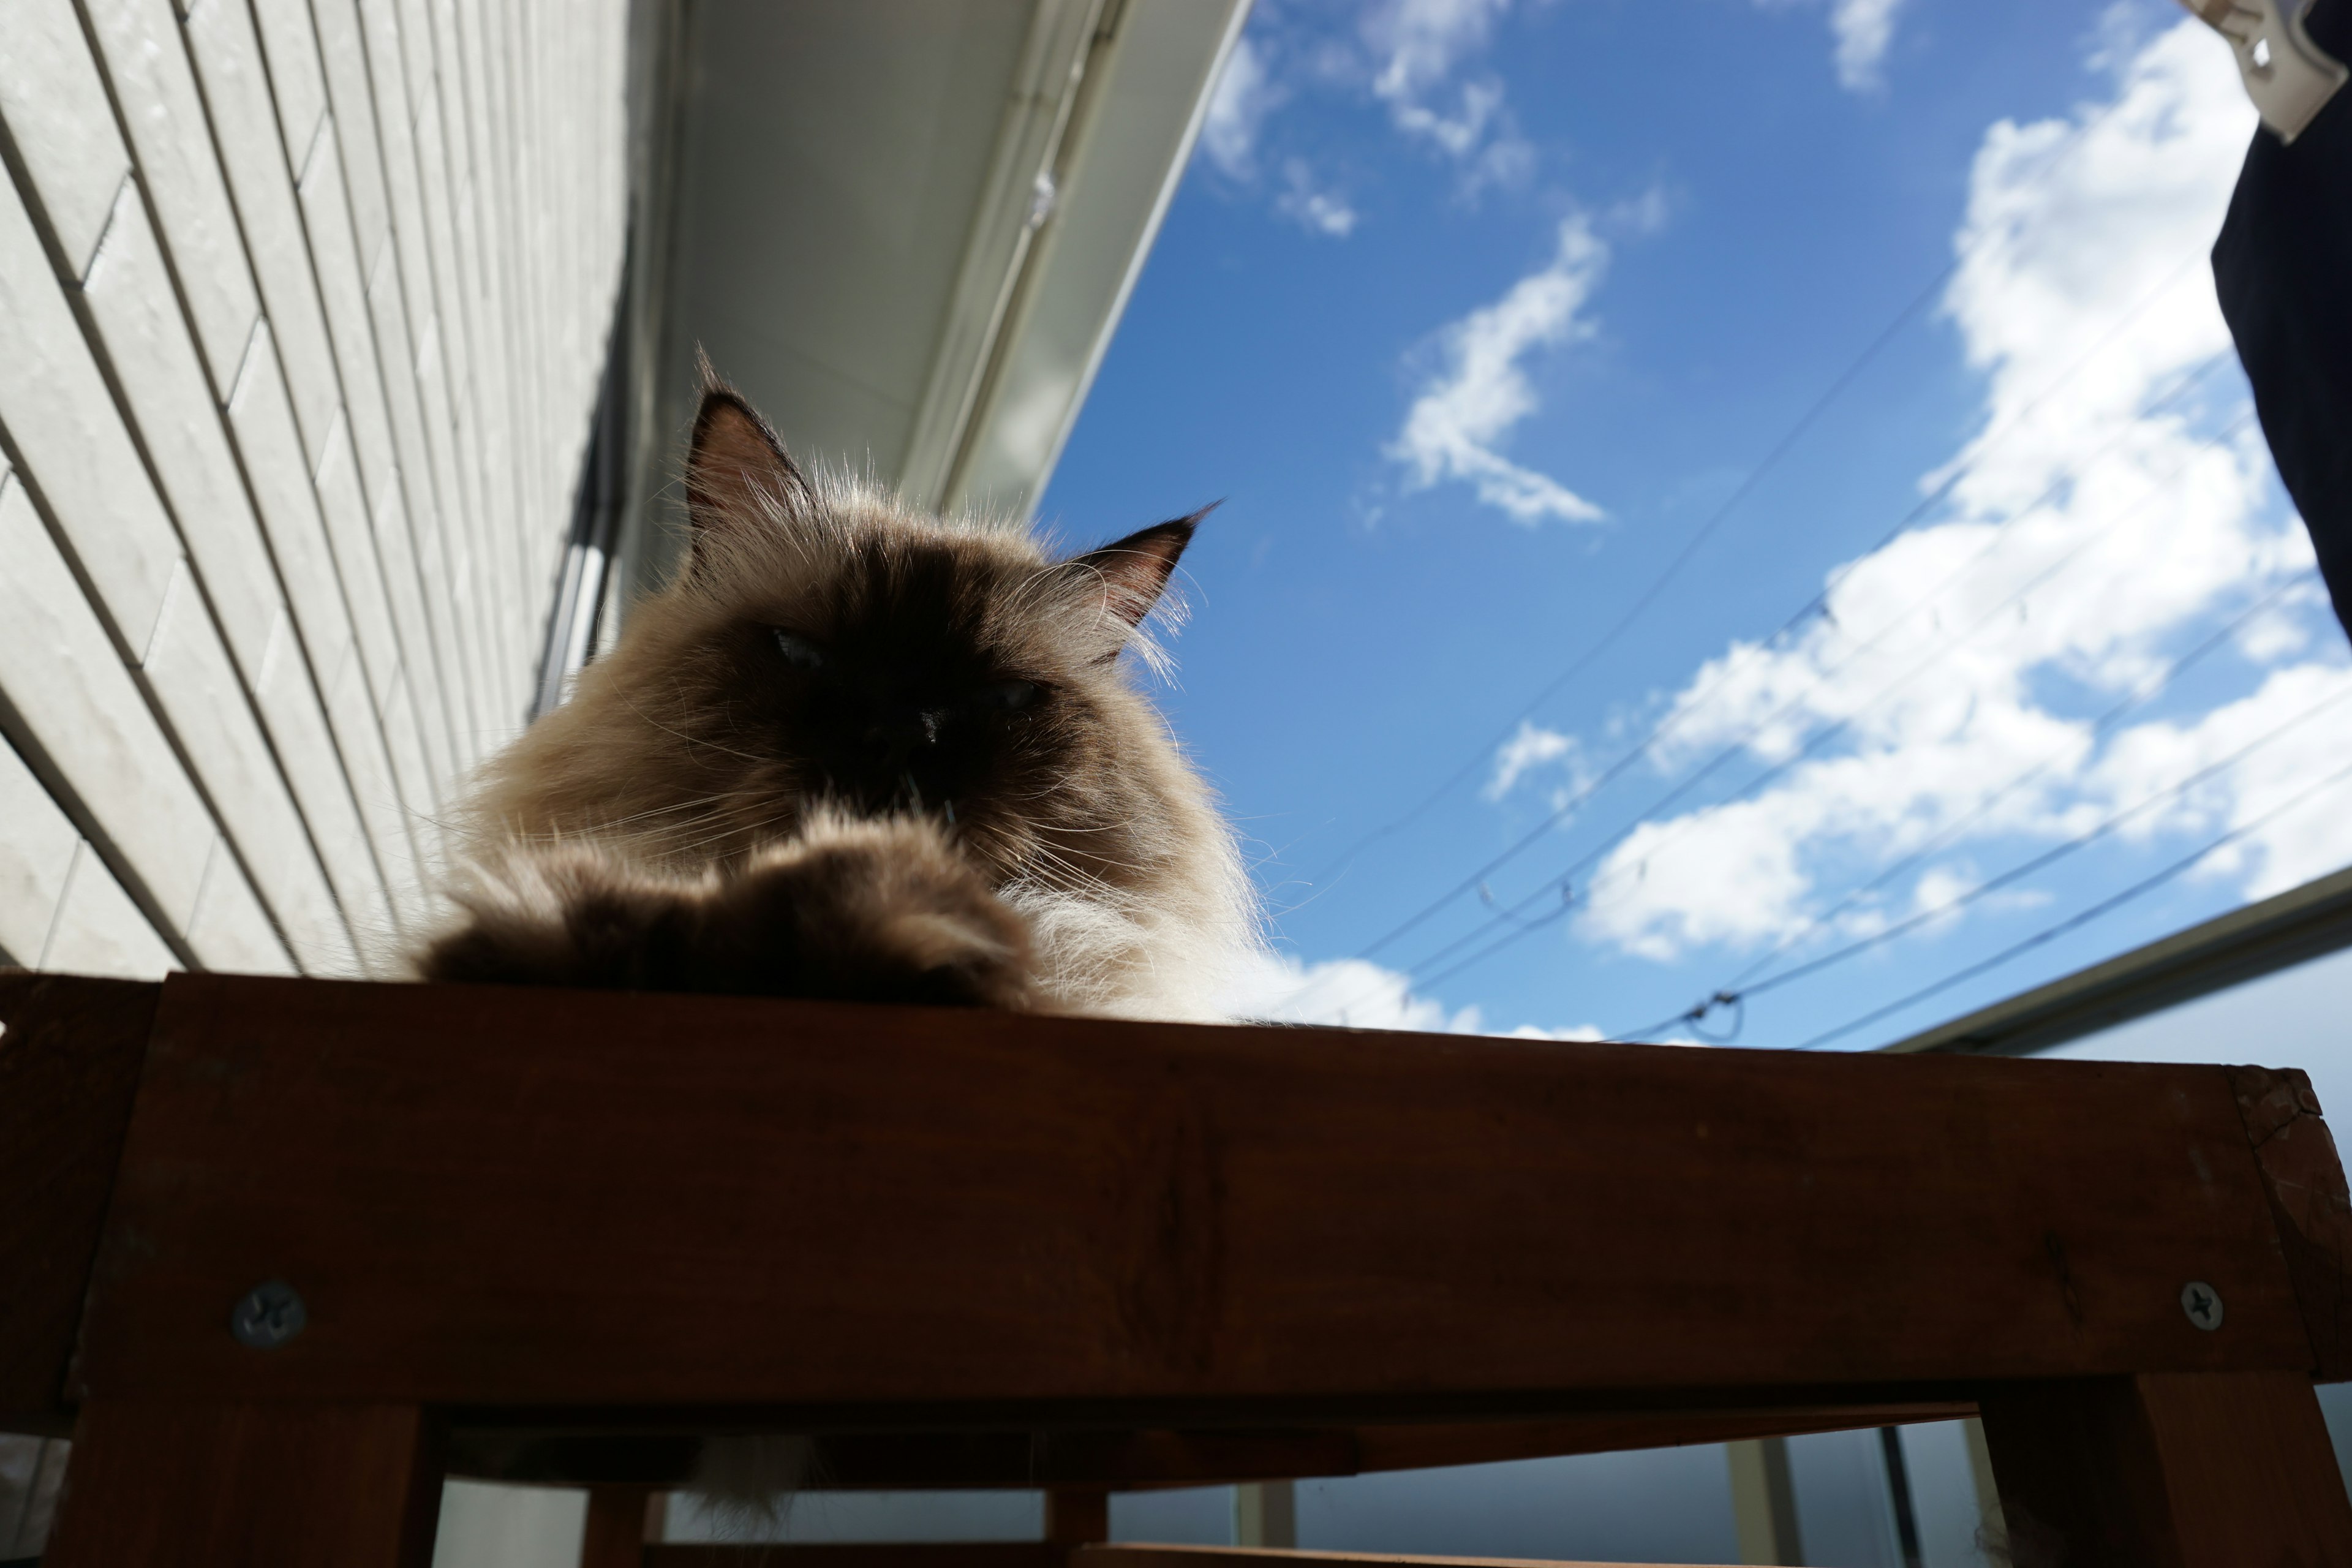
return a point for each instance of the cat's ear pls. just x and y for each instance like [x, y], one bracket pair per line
[737, 471]
[1125, 580]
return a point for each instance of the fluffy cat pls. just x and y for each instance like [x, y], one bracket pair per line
[855, 752]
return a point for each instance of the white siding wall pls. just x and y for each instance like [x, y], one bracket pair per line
[302, 308]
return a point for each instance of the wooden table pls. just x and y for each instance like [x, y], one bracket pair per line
[568, 1235]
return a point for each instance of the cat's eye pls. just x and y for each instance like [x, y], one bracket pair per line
[1010, 696]
[798, 651]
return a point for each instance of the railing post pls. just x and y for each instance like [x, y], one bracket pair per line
[249, 1486]
[2167, 1471]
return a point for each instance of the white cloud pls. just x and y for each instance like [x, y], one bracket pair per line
[1423, 40]
[1313, 208]
[1419, 45]
[1531, 748]
[1353, 992]
[1244, 95]
[1860, 32]
[1454, 425]
[1863, 30]
[2096, 525]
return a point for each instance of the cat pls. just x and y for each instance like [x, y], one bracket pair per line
[854, 752]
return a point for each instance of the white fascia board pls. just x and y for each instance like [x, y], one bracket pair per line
[1123, 156]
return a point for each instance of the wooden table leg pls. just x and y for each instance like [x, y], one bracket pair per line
[1077, 1516]
[249, 1486]
[619, 1524]
[2167, 1471]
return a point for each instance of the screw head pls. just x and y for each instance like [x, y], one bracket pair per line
[267, 1315]
[2202, 1303]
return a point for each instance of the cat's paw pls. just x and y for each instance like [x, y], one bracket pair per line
[562, 915]
[875, 911]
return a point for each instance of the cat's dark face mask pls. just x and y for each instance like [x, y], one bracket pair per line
[885, 694]
[896, 671]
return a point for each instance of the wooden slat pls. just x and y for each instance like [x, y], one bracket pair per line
[2304, 1181]
[853, 1462]
[170, 1486]
[69, 1055]
[1140, 1555]
[861, 1555]
[971, 1216]
[2167, 1471]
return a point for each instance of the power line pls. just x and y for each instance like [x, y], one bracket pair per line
[1819, 738]
[2075, 923]
[1734, 994]
[2147, 692]
[1993, 884]
[1817, 604]
[1658, 586]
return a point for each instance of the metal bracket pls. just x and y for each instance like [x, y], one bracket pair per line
[2289, 78]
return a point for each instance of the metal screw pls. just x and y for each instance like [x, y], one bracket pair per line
[2202, 1303]
[269, 1315]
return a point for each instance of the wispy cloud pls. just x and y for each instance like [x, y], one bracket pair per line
[1420, 46]
[1354, 993]
[1860, 32]
[1863, 31]
[1531, 748]
[1308, 204]
[1245, 94]
[2109, 514]
[1465, 411]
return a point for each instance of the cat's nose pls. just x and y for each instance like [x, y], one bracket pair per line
[910, 728]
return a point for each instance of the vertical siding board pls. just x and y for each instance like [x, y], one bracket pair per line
[98, 930]
[460, 584]
[295, 78]
[55, 108]
[59, 419]
[230, 931]
[476, 553]
[73, 701]
[480, 239]
[194, 681]
[485, 342]
[343, 505]
[36, 852]
[263, 421]
[388, 486]
[412, 771]
[396, 139]
[228, 63]
[396, 550]
[352, 99]
[352, 712]
[129, 296]
[520, 199]
[417, 467]
[327, 218]
[290, 705]
[139, 41]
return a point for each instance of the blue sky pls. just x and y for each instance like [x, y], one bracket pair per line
[1479, 314]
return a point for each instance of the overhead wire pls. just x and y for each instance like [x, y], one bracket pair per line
[2042, 861]
[1771, 459]
[1816, 605]
[2140, 697]
[1824, 736]
[2075, 923]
